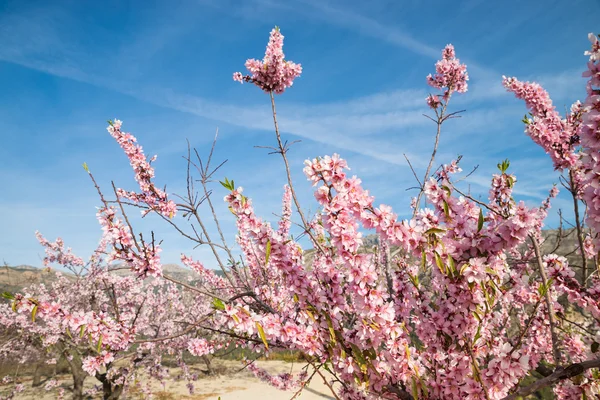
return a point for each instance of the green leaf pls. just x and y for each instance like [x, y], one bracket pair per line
[261, 332]
[480, 220]
[99, 344]
[446, 209]
[478, 334]
[503, 167]
[511, 181]
[8, 296]
[86, 168]
[268, 251]
[452, 265]
[81, 331]
[440, 263]
[230, 185]
[414, 387]
[358, 354]
[434, 230]
[543, 289]
[34, 313]
[414, 279]
[218, 304]
[331, 330]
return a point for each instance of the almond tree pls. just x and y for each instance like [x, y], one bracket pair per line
[467, 306]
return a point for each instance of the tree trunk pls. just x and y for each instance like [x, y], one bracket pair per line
[78, 374]
[207, 361]
[37, 376]
[78, 379]
[110, 391]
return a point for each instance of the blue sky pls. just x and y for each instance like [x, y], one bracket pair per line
[165, 69]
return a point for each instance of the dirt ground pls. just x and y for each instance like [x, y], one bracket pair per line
[231, 385]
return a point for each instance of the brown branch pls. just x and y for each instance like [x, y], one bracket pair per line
[527, 326]
[176, 335]
[304, 385]
[477, 371]
[324, 379]
[283, 151]
[558, 375]
[413, 170]
[439, 122]
[584, 266]
[126, 218]
[549, 305]
[192, 288]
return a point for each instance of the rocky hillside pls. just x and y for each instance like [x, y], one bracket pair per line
[15, 278]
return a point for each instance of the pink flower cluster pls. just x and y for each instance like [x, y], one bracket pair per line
[546, 128]
[153, 197]
[282, 381]
[344, 285]
[590, 140]
[97, 316]
[273, 73]
[200, 347]
[208, 277]
[56, 253]
[450, 76]
[142, 258]
[95, 327]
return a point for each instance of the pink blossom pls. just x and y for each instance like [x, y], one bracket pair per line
[273, 73]
[546, 128]
[199, 347]
[451, 76]
[152, 196]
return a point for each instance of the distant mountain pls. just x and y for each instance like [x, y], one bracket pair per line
[15, 278]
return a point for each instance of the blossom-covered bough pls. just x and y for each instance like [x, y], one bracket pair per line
[468, 305]
[102, 323]
[470, 309]
[102, 320]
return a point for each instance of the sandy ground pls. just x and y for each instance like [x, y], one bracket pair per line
[232, 385]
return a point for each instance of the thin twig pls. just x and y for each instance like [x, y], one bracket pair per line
[573, 191]
[413, 170]
[549, 304]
